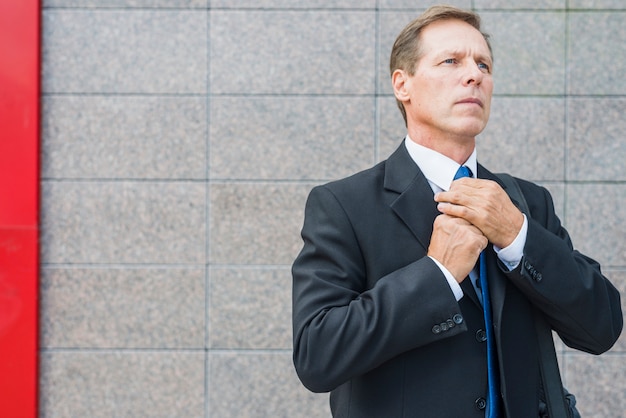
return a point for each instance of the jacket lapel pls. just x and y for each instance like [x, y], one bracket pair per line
[415, 203]
[497, 280]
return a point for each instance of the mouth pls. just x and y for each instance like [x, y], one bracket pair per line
[471, 100]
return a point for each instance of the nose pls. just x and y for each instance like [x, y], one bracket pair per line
[473, 74]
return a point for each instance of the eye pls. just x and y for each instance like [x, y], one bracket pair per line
[450, 61]
[484, 67]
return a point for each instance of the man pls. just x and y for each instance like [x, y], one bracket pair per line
[386, 311]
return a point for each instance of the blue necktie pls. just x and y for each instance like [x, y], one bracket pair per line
[493, 404]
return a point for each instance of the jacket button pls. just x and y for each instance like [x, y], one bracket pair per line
[451, 323]
[538, 277]
[481, 336]
[444, 326]
[480, 403]
[458, 319]
[436, 329]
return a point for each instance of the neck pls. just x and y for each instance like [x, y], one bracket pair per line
[457, 148]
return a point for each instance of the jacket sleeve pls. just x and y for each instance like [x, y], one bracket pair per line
[343, 329]
[580, 304]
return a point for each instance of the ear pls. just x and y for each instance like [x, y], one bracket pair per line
[399, 80]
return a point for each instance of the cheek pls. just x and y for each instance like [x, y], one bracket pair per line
[488, 86]
[487, 107]
[488, 96]
[423, 99]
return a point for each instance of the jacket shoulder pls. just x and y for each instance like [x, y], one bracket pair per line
[357, 182]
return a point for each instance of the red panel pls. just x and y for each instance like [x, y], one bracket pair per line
[18, 323]
[19, 205]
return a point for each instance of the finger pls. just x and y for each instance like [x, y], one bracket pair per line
[458, 196]
[455, 210]
[448, 221]
[468, 188]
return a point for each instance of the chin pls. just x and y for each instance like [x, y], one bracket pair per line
[473, 128]
[471, 131]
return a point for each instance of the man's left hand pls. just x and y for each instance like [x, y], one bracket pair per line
[485, 205]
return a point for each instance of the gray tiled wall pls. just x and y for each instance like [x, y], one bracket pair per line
[180, 140]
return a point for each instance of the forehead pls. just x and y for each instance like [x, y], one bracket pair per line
[452, 35]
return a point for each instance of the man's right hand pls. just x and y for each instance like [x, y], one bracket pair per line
[456, 244]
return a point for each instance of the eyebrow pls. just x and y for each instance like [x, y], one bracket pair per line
[458, 52]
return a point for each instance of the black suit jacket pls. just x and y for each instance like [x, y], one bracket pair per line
[376, 323]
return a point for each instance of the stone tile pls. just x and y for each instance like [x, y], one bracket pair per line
[559, 347]
[597, 4]
[256, 223]
[250, 308]
[290, 4]
[260, 385]
[122, 384]
[290, 137]
[420, 4]
[292, 52]
[123, 222]
[529, 51]
[391, 24]
[594, 220]
[170, 4]
[124, 51]
[596, 146]
[128, 137]
[392, 127]
[122, 308]
[519, 4]
[598, 383]
[597, 58]
[525, 137]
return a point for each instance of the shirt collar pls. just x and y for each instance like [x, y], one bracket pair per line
[438, 169]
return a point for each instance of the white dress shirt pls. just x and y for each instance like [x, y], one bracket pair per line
[439, 170]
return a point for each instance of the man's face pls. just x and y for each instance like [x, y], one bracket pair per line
[449, 96]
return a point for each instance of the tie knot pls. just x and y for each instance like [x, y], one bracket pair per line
[463, 171]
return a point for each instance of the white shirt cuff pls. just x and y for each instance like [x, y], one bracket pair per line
[512, 255]
[454, 285]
